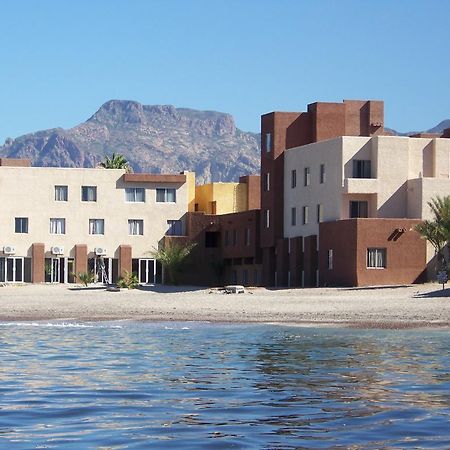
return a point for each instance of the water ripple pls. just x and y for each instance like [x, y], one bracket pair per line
[135, 386]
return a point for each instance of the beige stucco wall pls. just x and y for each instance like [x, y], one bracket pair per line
[29, 192]
[397, 188]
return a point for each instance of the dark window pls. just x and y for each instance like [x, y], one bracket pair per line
[166, 195]
[305, 215]
[175, 228]
[235, 237]
[212, 239]
[361, 168]
[293, 216]
[21, 225]
[89, 193]
[293, 178]
[322, 173]
[266, 180]
[359, 209]
[247, 236]
[227, 237]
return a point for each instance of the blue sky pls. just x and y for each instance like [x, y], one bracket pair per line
[60, 60]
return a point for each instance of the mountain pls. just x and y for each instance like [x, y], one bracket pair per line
[153, 138]
[437, 129]
[440, 127]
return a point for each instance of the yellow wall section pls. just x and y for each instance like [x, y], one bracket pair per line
[228, 197]
[191, 190]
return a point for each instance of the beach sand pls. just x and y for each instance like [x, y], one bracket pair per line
[381, 307]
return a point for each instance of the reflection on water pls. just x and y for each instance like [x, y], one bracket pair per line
[196, 386]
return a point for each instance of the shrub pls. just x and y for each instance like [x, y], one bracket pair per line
[129, 281]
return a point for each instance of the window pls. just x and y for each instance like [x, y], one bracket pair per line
[165, 195]
[175, 228]
[319, 213]
[245, 277]
[359, 209]
[305, 215]
[322, 173]
[376, 258]
[361, 168]
[266, 218]
[96, 226]
[247, 236]
[135, 227]
[330, 259]
[89, 193]
[135, 195]
[268, 142]
[227, 237]
[266, 179]
[58, 226]
[293, 179]
[212, 239]
[235, 237]
[21, 225]
[293, 216]
[61, 193]
[307, 176]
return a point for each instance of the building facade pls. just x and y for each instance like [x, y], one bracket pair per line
[340, 197]
[59, 222]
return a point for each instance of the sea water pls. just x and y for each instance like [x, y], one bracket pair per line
[127, 385]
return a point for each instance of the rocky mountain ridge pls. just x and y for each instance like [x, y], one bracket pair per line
[153, 138]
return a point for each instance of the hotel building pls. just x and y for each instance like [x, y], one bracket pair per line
[340, 198]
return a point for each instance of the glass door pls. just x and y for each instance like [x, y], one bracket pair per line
[11, 269]
[147, 271]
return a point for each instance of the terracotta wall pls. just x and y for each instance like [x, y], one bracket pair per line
[350, 239]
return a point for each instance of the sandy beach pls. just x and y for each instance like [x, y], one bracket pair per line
[391, 307]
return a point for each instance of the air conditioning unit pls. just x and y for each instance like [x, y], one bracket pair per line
[9, 250]
[57, 250]
[100, 251]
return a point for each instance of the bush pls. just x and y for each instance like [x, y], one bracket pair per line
[129, 281]
[85, 277]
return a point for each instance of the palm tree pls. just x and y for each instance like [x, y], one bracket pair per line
[172, 257]
[117, 161]
[437, 231]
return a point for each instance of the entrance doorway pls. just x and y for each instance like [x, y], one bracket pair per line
[12, 269]
[59, 270]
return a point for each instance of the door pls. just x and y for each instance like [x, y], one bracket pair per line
[11, 269]
[147, 271]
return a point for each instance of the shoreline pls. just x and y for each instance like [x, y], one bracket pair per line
[395, 307]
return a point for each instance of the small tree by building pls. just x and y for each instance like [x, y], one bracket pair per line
[437, 231]
[172, 258]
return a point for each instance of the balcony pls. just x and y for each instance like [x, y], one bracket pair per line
[360, 186]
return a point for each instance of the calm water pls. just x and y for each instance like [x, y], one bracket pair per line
[195, 386]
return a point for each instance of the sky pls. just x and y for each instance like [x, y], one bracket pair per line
[61, 60]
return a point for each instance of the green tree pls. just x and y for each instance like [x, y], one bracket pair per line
[116, 161]
[437, 230]
[172, 257]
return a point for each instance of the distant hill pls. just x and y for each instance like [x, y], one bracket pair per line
[437, 129]
[153, 138]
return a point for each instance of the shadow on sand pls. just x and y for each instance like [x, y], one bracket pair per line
[375, 288]
[434, 294]
[169, 289]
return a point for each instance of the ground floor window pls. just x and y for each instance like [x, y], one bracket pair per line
[330, 259]
[105, 270]
[376, 258]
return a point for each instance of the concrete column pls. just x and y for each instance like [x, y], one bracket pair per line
[80, 258]
[38, 263]
[125, 256]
